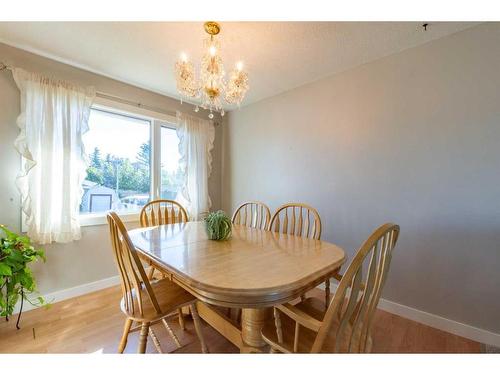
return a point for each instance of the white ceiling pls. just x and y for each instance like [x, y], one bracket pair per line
[278, 55]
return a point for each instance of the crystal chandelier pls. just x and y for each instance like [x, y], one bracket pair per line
[210, 89]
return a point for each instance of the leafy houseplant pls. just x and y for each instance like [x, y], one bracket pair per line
[218, 226]
[16, 279]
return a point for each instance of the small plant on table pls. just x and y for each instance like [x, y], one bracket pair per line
[218, 226]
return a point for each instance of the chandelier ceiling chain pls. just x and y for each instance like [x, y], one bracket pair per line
[211, 88]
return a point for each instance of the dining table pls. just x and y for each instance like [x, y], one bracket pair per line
[253, 270]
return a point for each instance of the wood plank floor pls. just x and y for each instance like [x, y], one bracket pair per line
[93, 323]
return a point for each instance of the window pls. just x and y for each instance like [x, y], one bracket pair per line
[133, 157]
[118, 175]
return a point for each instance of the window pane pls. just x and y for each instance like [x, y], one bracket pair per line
[118, 176]
[171, 177]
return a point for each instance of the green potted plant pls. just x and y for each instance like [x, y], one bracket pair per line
[16, 278]
[218, 226]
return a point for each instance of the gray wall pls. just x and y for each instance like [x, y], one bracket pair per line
[89, 259]
[413, 138]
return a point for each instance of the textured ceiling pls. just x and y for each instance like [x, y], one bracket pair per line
[278, 55]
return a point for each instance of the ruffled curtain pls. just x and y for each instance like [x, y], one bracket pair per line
[196, 141]
[54, 116]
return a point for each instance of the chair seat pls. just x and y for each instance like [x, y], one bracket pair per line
[311, 306]
[169, 295]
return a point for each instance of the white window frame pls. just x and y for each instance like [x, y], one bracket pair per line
[157, 121]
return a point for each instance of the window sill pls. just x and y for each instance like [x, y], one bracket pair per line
[87, 220]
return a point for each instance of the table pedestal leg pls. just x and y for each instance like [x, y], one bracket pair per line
[252, 321]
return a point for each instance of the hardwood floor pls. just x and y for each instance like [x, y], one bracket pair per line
[94, 322]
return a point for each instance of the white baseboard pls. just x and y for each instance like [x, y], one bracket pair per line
[439, 322]
[436, 321]
[76, 291]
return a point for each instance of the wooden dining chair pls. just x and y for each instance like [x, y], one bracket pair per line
[299, 219]
[161, 212]
[146, 302]
[346, 326]
[252, 214]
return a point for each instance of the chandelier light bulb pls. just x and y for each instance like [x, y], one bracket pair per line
[184, 57]
[212, 50]
[239, 65]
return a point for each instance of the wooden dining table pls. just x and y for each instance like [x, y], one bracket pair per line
[253, 271]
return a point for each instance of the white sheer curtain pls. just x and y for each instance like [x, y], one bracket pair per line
[196, 141]
[54, 116]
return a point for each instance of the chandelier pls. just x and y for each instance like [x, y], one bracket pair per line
[211, 88]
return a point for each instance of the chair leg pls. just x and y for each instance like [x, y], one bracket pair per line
[296, 338]
[156, 342]
[238, 317]
[302, 298]
[171, 333]
[123, 341]
[277, 323]
[143, 337]
[234, 314]
[198, 327]
[369, 344]
[327, 293]
[182, 323]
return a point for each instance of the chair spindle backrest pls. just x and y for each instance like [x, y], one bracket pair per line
[356, 298]
[162, 211]
[252, 214]
[134, 281]
[297, 219]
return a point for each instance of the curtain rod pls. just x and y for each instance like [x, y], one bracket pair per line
[115, 98]
[104, 95]
[140, 105]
